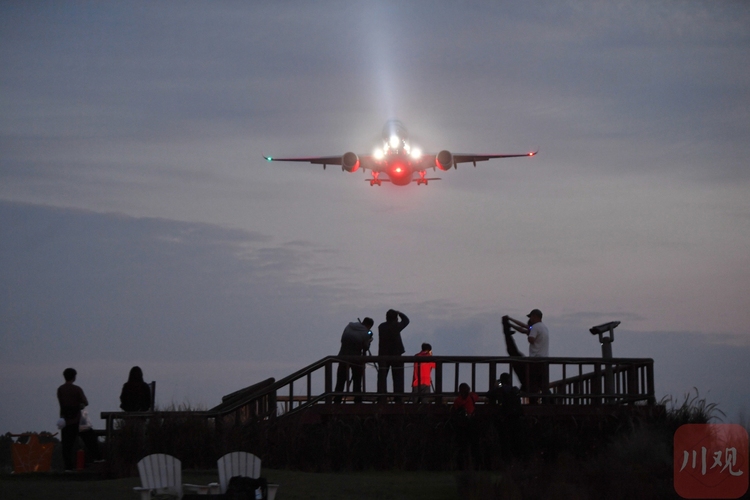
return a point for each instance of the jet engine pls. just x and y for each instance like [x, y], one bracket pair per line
[444, 160]
[350, 162]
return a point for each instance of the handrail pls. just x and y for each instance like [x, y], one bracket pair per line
[610, 381]
[618, 365]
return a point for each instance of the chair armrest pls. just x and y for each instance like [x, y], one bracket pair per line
[272, 489]
[145, 492]
[202, 489]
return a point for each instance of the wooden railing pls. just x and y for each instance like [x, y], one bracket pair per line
[573, 381]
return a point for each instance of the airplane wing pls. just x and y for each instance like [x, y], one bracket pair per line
[318, 160]
[366, 162]
[474, 158]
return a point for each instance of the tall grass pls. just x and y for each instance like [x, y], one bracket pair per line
[692, 410]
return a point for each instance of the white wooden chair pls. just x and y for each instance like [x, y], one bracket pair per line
[237, 463]
[161, 474]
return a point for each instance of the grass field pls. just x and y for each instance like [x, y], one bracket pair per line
[293, 485]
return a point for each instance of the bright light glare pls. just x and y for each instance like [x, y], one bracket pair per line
[416, 153]
[394, 141]
[378, 154]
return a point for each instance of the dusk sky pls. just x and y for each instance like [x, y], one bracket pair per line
[140, 225]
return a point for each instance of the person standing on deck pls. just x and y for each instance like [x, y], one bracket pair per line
[390, 344]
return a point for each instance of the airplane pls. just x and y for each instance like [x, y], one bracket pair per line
[398, 160]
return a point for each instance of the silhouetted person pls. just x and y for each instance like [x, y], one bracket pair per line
[72, 401]
[390, 344]
[509, 424]
[506, 395]
[136, 394]
[422, 380]
[464, 403]
[463, 412]
[536, 378]
[355, 341]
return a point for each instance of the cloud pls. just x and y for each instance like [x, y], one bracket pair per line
[85, 284]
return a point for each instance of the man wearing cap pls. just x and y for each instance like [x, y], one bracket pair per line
[536, 332]
[538, 336]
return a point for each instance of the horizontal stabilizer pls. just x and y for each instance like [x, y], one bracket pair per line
[423, 180]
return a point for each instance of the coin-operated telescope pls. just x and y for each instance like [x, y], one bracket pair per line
[606, 342]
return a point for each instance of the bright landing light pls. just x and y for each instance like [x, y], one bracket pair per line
[416, 153]
[394, 141]
[378, 154]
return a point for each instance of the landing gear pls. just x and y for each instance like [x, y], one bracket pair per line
[422, 179]
[375, 181]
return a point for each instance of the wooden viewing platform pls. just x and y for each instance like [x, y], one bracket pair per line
[578, 386]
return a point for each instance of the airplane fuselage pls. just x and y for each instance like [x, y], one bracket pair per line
[398, 168]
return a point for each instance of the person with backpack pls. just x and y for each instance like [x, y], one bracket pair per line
[355, 341]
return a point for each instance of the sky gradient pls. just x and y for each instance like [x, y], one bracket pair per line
[140, 225]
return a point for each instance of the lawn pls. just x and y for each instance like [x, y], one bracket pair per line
[293, 485]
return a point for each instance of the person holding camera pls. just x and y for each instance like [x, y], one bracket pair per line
[355, 341]
[534, 377]
[390, 344]
[536, 332]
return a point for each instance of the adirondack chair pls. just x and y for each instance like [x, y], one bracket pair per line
[161, 474]
[238, 463]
